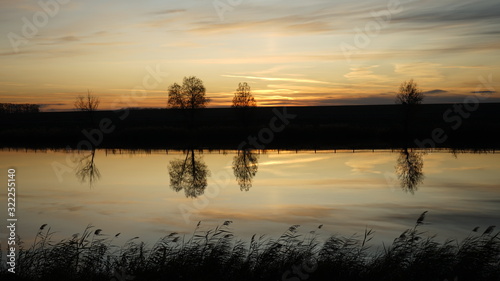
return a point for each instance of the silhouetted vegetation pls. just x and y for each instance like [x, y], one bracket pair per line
[216, 254]
[409, 96]
[86, 170]
[189, 174]
[409, 93]
[328, 127]
[11, 108]
[88, 103]
[244, 102]
[243, 97]
[245, 166]
[409, 169]
[190, 95]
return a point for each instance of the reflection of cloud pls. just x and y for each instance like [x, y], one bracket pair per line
[291, 214]
[58, 208]
[113, 202]
[323, 183]
[367, 165]
[293, 161]
[465, 169]
[468, 186]
[463, 219]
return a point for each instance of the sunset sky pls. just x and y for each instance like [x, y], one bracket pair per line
[318, 52]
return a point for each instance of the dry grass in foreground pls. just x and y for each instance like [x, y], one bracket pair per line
[217, 255]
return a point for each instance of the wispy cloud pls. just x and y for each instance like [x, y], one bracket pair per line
[458, 11]
[292, 161]
[292, 24]
[435, 92]
[289, 51]
[296, 80]
[366, 73]
[168, 12]
[423, 71]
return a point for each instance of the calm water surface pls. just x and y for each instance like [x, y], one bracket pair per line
[151, 194]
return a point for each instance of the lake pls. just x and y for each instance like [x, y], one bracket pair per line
[150, 194]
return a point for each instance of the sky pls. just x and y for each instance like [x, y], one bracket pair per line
[291, 53]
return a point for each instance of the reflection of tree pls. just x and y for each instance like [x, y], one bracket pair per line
[456, 151]
[86, 169]
[409, 170]
[189, 174]
[245, 166]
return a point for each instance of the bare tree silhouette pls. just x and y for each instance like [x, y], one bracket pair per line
[245, 166]
[86, 170]
[189, 174]
[87, 103]
[409, 170]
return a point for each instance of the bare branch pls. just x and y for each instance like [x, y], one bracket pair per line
[88, 103]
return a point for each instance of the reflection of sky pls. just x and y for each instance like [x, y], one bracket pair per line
[346, 192]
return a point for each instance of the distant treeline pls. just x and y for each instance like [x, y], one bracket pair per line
[19, 108]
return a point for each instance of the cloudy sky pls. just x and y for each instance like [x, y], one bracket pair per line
[291, 52]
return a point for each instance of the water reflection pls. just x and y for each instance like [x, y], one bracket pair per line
[86, 170]
[190, 171]
[456, 151]
[409, 169]
[189, 174]
[245, 166]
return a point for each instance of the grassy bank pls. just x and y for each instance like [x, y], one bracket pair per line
[376, 126]
[218, 255]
